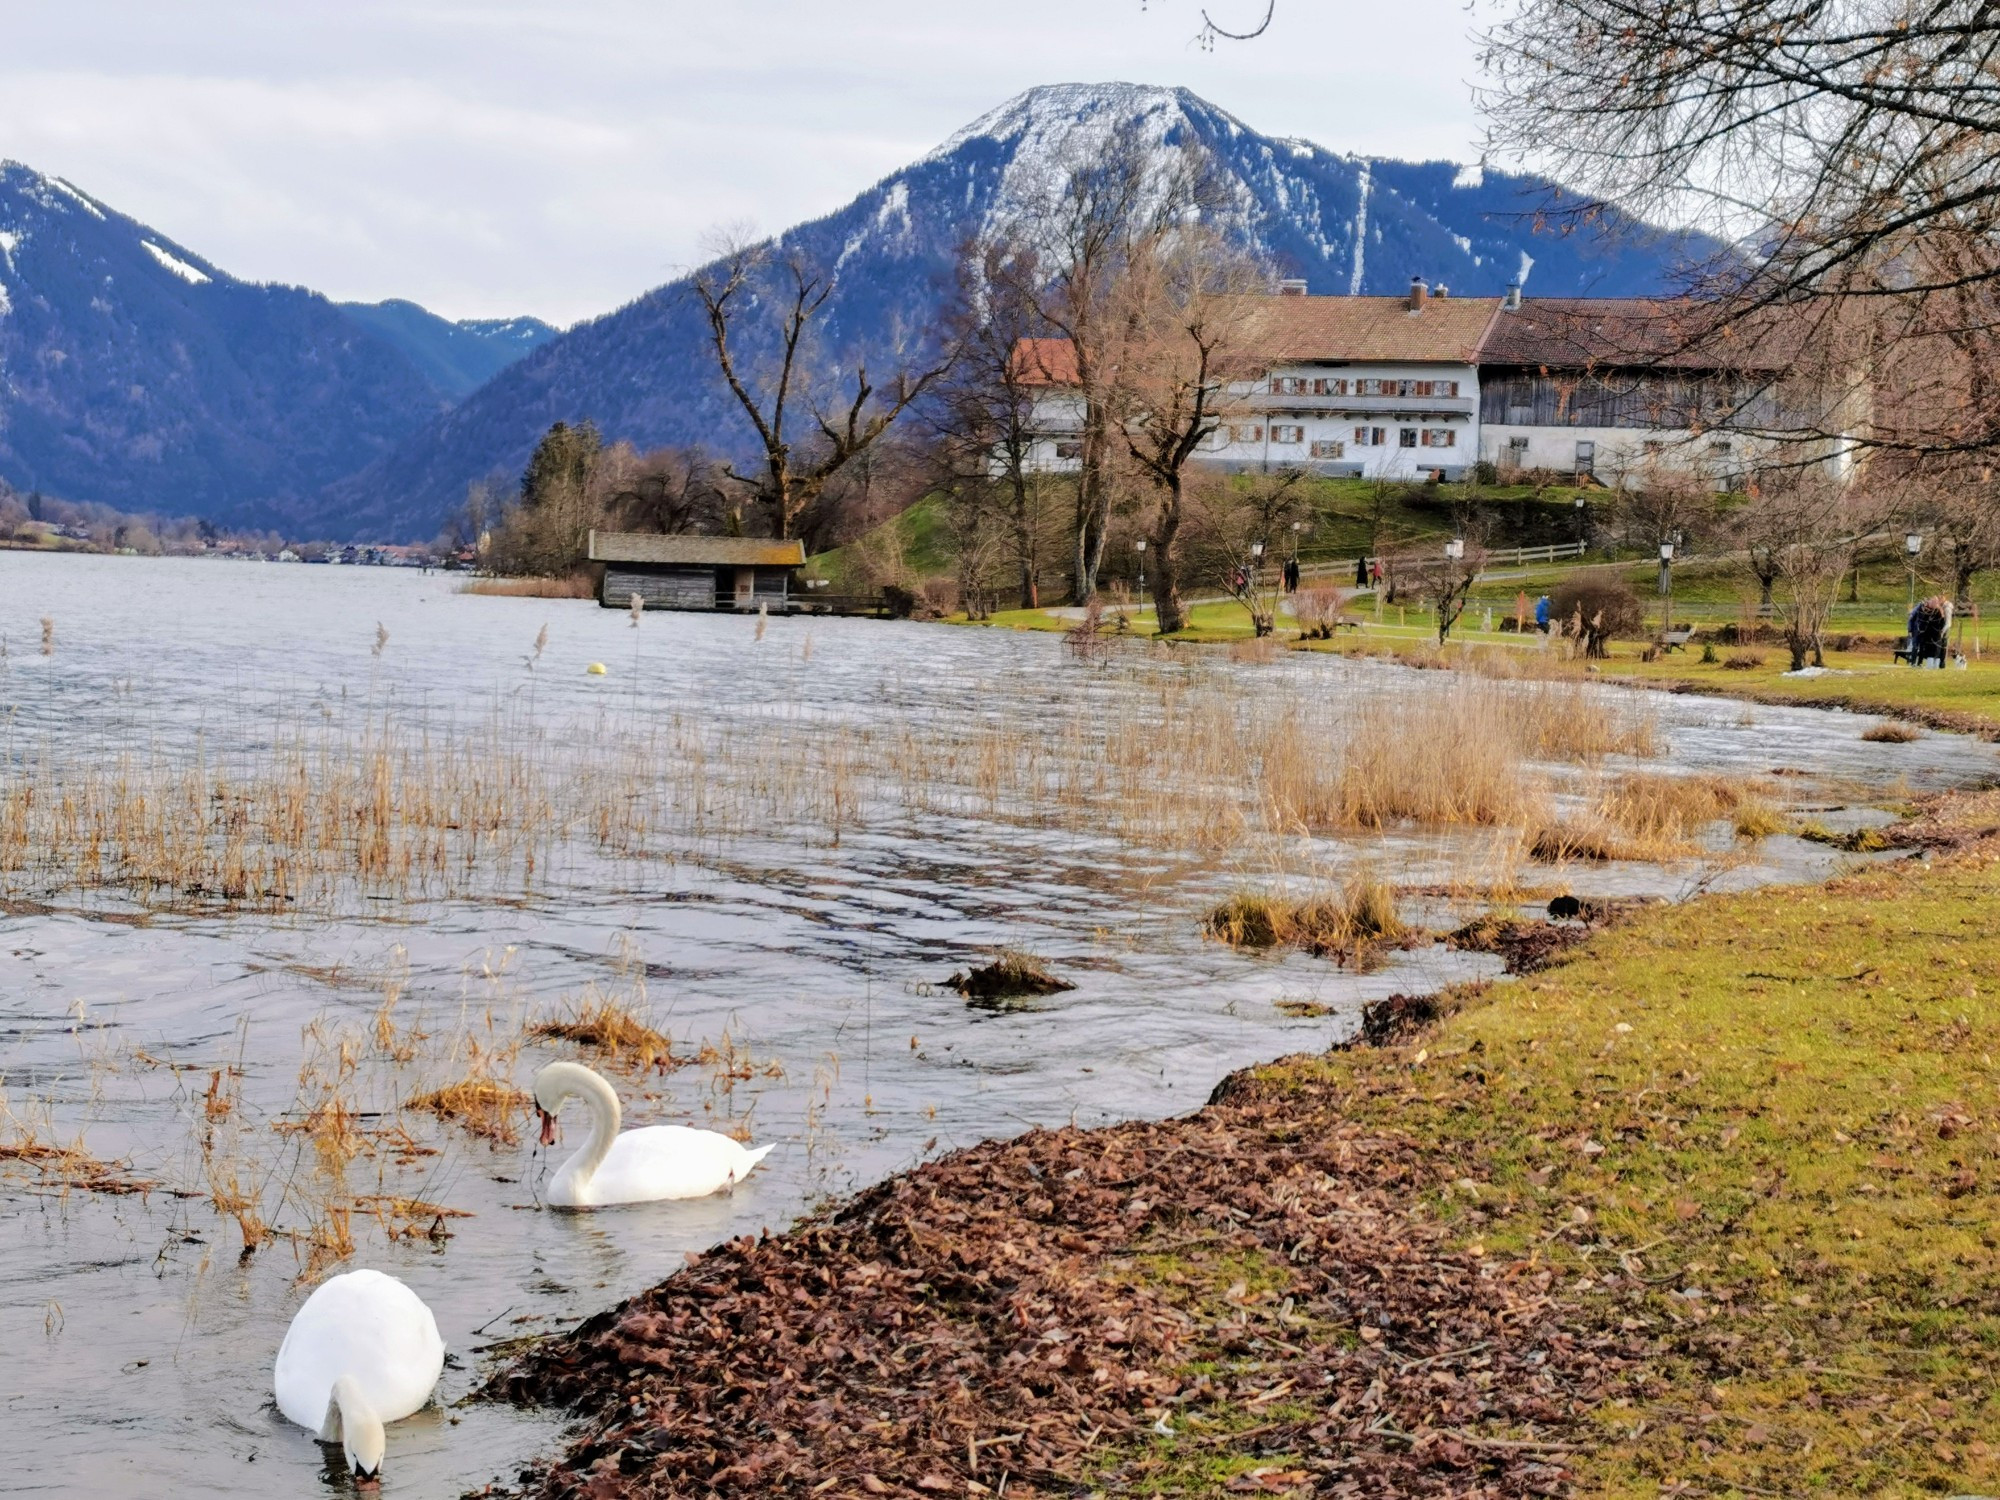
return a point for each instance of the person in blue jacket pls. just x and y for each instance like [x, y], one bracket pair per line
[1542, 614]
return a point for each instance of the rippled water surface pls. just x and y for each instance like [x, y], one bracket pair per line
[139, 1340]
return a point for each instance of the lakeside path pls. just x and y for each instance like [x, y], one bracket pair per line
[1707, 1208]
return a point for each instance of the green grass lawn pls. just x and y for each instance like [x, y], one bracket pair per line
[1774, 1158]
[1866, 678]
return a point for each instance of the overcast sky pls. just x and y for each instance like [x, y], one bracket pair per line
[489, 157]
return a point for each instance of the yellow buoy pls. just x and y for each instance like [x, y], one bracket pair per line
[596, 669]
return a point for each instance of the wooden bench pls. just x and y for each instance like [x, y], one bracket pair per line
[1906, 650]
[1674, 640]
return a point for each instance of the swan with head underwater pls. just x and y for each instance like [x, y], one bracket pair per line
[647, 1165]
[363, 1351]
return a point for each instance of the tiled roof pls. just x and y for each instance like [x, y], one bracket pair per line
[1281, 329]
[1045, 361]
[695, 551]
[1379, 329]
[1595, 332]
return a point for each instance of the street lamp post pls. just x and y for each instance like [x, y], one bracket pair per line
[1140, 548]
[1667, 586]
[1912, 545]
[1582, 522]
[1455, 548]
[1256, 562]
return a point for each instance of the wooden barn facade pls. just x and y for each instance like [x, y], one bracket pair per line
[695, 572]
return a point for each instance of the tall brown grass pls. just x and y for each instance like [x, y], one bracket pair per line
[1361, 913]
[573, 586]
[1652, 817]
[332, 814]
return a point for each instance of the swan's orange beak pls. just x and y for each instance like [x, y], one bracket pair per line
[548, 1126]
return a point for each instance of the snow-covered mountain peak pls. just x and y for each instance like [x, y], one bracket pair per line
[1056, 113]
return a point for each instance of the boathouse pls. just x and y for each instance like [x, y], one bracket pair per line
[695, 572]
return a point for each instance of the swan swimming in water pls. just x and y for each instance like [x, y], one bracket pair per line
[646, 1165]
[363, 1351]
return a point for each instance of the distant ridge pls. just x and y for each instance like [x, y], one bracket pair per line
[1344, 223]
[136, 372]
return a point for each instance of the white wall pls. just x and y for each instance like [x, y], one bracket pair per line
[1620, 450]
[1323, 418]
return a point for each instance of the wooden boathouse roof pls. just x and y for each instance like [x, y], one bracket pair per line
[695, 551]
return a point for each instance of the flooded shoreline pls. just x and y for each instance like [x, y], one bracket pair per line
[808, 970]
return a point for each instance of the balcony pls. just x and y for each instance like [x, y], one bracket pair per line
[1415, 407]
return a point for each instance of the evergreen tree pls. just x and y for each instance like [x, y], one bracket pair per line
[561, 463]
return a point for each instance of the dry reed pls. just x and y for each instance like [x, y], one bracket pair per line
[573, 586]
[1360, 915]
[611, 1029]
[1889, 732]
[486, 1107]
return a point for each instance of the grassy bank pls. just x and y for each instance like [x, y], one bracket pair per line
[1866, 678]
[1771, 1154]
[1706, 1210]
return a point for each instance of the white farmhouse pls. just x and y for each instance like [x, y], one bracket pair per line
[1430, 385]
[1352, 386]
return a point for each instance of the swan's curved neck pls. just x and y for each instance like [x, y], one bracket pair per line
[351, 1422]
[604, 1116]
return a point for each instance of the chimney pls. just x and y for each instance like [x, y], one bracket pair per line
[1513, 302]
[1440, 290]
[1292, 286]
[1419, 294]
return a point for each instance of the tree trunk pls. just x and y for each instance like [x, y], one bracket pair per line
[1024, 542]
[1172, 614]
[1764, 594]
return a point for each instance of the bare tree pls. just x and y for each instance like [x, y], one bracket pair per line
[1957, 510]
[984, 414]
[1447, 581]
[1072, 245]
[670, 490]
[1184, 298]
[1857, 146]
[1234, 526]
[1810, 526]
[763, 308]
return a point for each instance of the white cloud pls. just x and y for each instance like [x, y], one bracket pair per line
[560, 159]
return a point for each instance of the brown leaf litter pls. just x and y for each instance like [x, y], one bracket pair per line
[1115, 1310]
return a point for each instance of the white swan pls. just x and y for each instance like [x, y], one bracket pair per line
[364, 1350]
[640, 1166]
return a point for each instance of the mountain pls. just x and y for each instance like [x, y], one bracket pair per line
[134, 371]
[458, 357]
[1344, 223]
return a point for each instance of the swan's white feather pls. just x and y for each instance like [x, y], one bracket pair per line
[366, 1325]
[657, 1162]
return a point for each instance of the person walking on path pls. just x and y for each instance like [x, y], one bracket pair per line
[1542, 615]
[1361, 572]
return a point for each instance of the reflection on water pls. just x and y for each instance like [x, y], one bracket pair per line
[820, 962]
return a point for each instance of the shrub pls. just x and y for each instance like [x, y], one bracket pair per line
[1890, 733]
[1742, 661]
[1598, 605]
[1756, 819]
[1319, 608]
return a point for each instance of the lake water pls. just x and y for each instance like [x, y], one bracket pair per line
[140, 1341]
